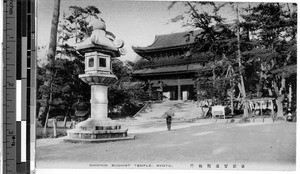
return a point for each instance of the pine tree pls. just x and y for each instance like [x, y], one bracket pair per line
[67, 88]
[273, 26]
[61, 82]
[48, 96]
[218, 45]
[265, 41]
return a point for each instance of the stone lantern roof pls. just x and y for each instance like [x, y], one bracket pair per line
[101, 41]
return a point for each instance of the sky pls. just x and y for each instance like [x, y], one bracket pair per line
[135, 22]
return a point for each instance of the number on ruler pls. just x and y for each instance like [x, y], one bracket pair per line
[13, 143]
[10, 84]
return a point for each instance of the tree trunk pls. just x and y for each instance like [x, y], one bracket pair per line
[290, 96]
[231, 99]
[54, 128]
[51, 59]
[246, 112]
[280, 97]
[230, 73]
[240, 64]
[46, 120]
[214, 76]
[279, 106]
[65, 119]
[53, 37]
[42, 112]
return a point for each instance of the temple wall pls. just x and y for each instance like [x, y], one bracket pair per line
[173, 82]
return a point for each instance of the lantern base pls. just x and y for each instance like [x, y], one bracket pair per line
[97, 130]
[102, 140]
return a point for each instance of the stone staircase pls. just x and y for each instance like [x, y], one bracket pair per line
[183, 111]
[150, 118]
[186, 114]
[187, 111]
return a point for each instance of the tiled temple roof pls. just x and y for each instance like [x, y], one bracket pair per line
[199, 58]
[167, 41]
[167, 70]
[175, 64]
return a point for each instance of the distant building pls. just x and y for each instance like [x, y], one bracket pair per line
[168, 66]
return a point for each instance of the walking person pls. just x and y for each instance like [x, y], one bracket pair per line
[169, 115]
[169, 122]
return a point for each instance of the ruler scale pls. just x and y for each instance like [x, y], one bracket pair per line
[31, 85]
[9, 87]
[19, 83]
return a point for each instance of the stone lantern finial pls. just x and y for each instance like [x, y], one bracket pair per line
[102, 41]
[99, 24]
[98, 36]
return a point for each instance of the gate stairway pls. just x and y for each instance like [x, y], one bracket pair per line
[183, 110]
[150, 117]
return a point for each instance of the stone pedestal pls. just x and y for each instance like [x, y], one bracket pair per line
[99, 126]
[98, 51]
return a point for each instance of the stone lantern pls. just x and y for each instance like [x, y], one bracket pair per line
[98, 51]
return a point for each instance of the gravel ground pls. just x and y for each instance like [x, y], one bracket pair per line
[264, 146]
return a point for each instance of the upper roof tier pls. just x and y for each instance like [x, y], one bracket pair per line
[169, 41]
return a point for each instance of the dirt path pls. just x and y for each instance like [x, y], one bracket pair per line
[258, 146]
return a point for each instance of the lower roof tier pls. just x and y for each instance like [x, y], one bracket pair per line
[200, 59]
[180, 69]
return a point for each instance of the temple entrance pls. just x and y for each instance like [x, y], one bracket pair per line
[174, 92]
[184, 95]
[166, 95]
[170, 92]
[187, 92]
